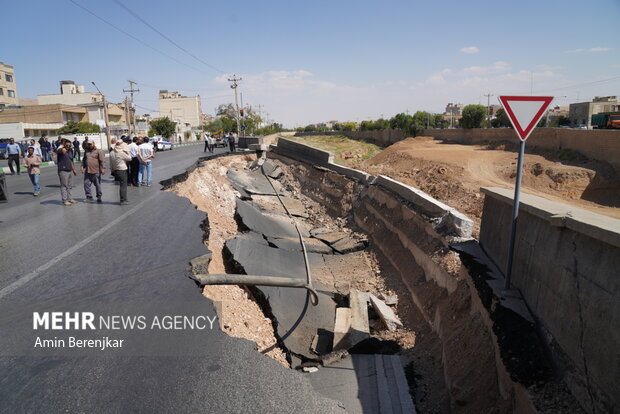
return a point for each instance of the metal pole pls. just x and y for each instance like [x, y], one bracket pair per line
[105, 114]
[515, 214]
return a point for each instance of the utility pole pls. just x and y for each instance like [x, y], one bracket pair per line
[127, 112]
[132, 90]
[488, 95]
[260, 115]
[234, 85]
[105, 114]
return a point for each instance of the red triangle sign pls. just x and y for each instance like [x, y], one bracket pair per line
[525, 112]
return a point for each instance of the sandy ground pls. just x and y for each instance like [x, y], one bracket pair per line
[454, 173]
[240, 316]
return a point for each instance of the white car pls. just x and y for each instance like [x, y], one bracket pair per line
[161, 144]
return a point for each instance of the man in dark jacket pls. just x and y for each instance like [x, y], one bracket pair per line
[93, 166]
[76, 149]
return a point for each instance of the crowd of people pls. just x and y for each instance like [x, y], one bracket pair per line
[131, 164]
[229, 140]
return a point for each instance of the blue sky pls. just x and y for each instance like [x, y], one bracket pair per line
[312, 61]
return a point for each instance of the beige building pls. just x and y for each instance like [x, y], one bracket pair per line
[8, 88]
[581, 113]
[70, 94]
[182, 109]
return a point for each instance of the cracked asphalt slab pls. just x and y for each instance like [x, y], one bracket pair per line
[112, 254]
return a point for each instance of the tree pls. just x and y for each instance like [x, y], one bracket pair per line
[473, 116]
[380, 124]
[72, 127]
[349, 126]
[164, 127]
[501, 119]
[401, 121]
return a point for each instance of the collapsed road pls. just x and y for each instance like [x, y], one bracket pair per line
[134, 259]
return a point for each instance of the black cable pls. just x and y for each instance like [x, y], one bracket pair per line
[166, 37]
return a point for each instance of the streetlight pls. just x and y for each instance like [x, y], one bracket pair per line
[105, 112]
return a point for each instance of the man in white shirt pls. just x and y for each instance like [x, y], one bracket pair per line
[145, 155]
[134, 164]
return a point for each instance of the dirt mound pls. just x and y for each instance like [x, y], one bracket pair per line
[454, 173]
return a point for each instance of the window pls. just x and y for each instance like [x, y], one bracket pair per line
[9, 78]
[11, 94]
[1, 92]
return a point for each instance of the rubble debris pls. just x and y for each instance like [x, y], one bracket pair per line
[320, 230]
[390, 300]
[322, 342]
[292, 243]
[349, 245]
[271, 169]
[200, 264]
[387, 315]
[310, 369]
[331, 237]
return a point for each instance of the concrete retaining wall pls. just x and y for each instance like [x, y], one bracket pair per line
[447, 220]
[567, 266]
[405, 227]
[602, 145]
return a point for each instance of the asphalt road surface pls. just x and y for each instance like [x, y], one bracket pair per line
[124, 259]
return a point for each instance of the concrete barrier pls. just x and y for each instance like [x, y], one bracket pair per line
[566, 265]
[302, 152]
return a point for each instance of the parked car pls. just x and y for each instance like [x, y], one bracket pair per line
[161, 144]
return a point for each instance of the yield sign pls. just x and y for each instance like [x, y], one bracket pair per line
[525, 112]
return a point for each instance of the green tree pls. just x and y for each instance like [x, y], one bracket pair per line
[401, 121]
[349, 126]
[380, 124]
[79, 128]
[164, 127]
[473, 116]
[501, 119]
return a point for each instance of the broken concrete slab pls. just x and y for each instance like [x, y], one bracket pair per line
[292, 243]
[322, 342]
[200, 264]
[341, 327]
[271, 169]
[387, 315]
[268, 225]
[331, 237]
[349, 245]
[320, 230]
[252, 182]
[296, 319]
[359, 331]
[272, 205]
[366, 384]
[390, 300]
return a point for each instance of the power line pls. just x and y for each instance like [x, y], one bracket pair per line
[166, 37]
[580, 84]
[133, 37]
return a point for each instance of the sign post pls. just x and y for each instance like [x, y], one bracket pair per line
[524, 113]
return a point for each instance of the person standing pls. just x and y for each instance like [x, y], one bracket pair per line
[93, 167]
[134, 164]
[46, 147]
[37, 148]
[231, 142]
[32, 162]
[14, 152]
[146, 155]
[66, 171]
[76, 150]
[211, 143]
[206, 139]
[85, 145]
[119, 156]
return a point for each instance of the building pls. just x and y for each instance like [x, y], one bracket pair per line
[454, 109]
[8, 88]
[23, 130]
[178, 108]
[581, 113]
[70, 94]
